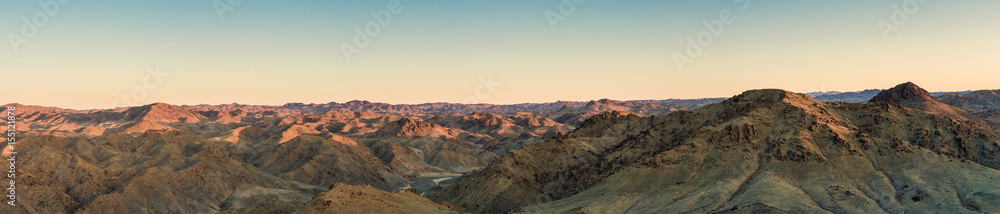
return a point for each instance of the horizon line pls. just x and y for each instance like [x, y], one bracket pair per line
[455, 103]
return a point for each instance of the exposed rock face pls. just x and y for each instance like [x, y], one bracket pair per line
[762, 151]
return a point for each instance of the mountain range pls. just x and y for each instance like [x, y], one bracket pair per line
[763, 151]
[900, 150]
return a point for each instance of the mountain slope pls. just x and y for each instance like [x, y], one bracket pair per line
[314, 159]
[177, 172]
[764, 150]
[116, 173]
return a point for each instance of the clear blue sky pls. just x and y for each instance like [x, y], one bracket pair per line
[90, 54]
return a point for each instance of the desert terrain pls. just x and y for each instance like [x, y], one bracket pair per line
[894, 150]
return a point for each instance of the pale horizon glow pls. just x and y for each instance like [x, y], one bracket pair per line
[91, 53]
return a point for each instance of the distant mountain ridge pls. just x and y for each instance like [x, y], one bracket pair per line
[854, 97]
[861, 96]
[983, 103]
[363, 105]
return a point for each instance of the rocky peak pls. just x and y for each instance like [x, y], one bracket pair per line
[606, 101]
[761, 95]
[487, 120]
[767, 97]
[162, 112]
[599, 123]
[772, 101]
[412, 128]
[162, 107]
[601, 102]
[906, 92]
[912, 96]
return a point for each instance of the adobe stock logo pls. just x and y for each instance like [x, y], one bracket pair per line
[566, 9]
[372, 29]
[224, 6]
[478, 95]
[899, 17]
[714, 28]
[30, 27]
[150, 82]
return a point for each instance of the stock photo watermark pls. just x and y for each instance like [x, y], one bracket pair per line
[224, 6]
[372, 29]
[11, 155]
[713, 29]
[900, 15]
[151, 81]
[31, 26]
[565, 9]
[479, 95]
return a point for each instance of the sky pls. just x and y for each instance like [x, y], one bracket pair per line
[109, 53]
